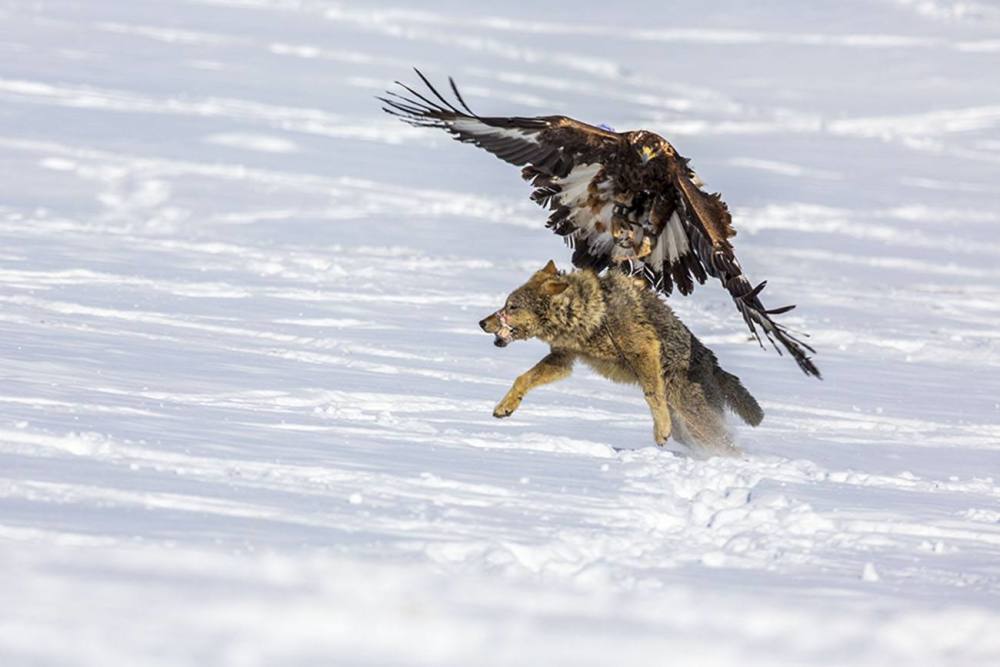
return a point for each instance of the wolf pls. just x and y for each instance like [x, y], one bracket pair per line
[626, 334]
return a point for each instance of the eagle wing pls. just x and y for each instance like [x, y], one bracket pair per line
[693, 242]
[553, 145]
[671, 232]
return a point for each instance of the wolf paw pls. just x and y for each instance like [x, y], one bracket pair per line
[661, 434]
[506, 407]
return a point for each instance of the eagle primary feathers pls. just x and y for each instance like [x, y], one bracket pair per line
[625, 199]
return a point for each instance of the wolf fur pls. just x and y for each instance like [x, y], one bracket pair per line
[627, 334]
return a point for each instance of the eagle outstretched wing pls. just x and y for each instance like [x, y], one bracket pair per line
[619, 199]
[554, 145]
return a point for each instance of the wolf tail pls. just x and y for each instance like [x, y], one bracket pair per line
[738, 398]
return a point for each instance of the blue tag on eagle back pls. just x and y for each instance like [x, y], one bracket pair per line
[606, 127]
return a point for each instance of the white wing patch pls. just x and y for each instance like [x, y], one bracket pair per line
[576, 185]
[655, 259]
[478, 128]
[600, 244]
[575, 194]
[673, 234]
[586, 225]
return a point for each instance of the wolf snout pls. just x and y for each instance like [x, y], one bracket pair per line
[494, 324]
[490, 323]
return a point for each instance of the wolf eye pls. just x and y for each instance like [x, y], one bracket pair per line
[513, 307]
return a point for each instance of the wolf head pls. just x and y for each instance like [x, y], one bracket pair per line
[525, 311]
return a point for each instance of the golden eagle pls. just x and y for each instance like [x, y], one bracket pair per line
[624, 199]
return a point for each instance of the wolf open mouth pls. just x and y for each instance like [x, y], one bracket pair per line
[503, 336]
[498, 325]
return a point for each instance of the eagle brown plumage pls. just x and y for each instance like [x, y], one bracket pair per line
[624, 199]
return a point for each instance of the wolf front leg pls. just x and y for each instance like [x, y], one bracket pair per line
[553, 367]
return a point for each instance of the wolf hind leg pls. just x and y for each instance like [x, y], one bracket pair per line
[704, 423]
[650, 377]
[679, 430]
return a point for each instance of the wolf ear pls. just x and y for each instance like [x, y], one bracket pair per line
[550, 268]
[553, 287]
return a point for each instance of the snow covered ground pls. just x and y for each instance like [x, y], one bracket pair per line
[245, 417]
